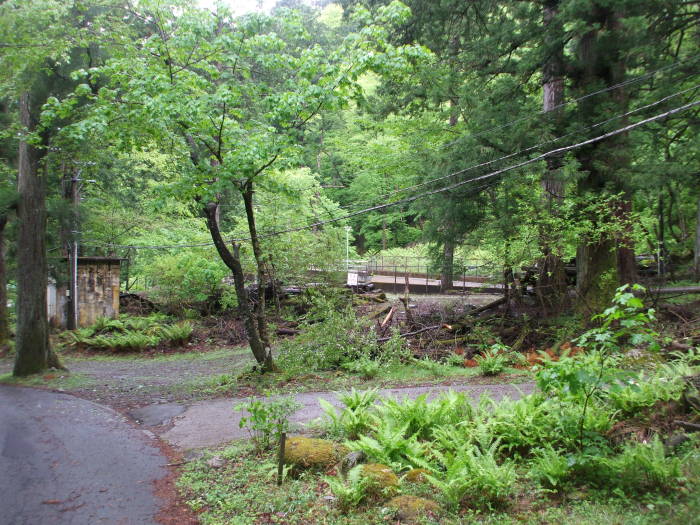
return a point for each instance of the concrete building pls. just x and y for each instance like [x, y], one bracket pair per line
[97, 287]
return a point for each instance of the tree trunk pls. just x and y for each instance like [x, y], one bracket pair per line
[595, 275]
[233, 261]
[33, 352]
[661, 253]
[4, 321]
[697, 244]
[551, 286]
[626, 262]
[602, 264]
[247, 192]
[447, 274]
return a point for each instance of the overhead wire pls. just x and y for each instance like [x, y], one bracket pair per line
[406, 200]
[486, 163]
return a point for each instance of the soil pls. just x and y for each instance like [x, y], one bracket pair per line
[130, 381]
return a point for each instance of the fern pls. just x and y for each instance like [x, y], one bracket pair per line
[390, 447]
[176, 334]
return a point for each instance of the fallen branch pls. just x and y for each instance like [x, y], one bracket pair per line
[692, 427]
[381, 311]
[409, 334]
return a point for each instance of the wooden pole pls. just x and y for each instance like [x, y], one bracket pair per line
[280, 458]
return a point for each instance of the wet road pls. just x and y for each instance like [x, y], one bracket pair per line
[65, 460]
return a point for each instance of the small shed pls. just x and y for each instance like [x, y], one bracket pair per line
[97, 287]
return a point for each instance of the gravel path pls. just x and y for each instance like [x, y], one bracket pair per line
[214, 422]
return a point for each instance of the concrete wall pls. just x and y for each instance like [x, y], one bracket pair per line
[98, 291]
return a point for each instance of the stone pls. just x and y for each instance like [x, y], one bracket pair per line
[416, 475]
[351, 460]
[312, 453]
[382, 480]
[216, 462]
[411, 509]
[675, 440]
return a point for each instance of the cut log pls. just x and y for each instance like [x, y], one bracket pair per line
[387, 319]
[379, 312]
[692, 427]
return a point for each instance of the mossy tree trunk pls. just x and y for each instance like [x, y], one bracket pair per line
[551, 288]
[33, 351]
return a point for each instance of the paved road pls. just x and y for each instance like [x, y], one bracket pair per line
[67, 461]
[215, 422]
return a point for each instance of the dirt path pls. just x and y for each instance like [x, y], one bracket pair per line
[215, 422]
[125, 382]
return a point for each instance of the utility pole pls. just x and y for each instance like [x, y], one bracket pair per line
[74, 197]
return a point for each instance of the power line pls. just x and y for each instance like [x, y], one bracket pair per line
[406, 200]
[619, 85]
[531, 148]
[542, 156]
[487, 163]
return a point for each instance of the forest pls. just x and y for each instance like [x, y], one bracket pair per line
[440, 260]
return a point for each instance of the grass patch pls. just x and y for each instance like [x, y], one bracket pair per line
[59, 380]
[243, 491]
[392, 375]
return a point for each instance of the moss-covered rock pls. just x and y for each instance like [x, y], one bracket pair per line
[311, 453]
[410, 509]
[381, 479]
[416, 475]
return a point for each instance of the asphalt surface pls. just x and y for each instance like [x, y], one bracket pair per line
[216, 421]
[68, 461]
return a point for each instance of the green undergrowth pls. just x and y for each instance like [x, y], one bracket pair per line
[128, 334]
[396, 375]
[589, 446]
[56, 380]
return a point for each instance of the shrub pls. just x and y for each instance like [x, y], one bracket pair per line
[433, 367]
[184, 279]
[177, 334]
[421, 417]
[550, 468]
[475, 474]
[350, 492]
[364, 366]
[267, 419]
[326, 345]
[390, 446]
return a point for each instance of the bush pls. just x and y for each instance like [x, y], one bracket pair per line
[186, 279]
[550, 468]
[327, 345]
[475, 475]
[177, 334]
[267, 420]
[351, 491]
[364, 366]
[129, 334]
[355, 418]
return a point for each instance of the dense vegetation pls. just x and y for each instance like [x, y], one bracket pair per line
[547, 148]
[511, 127]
